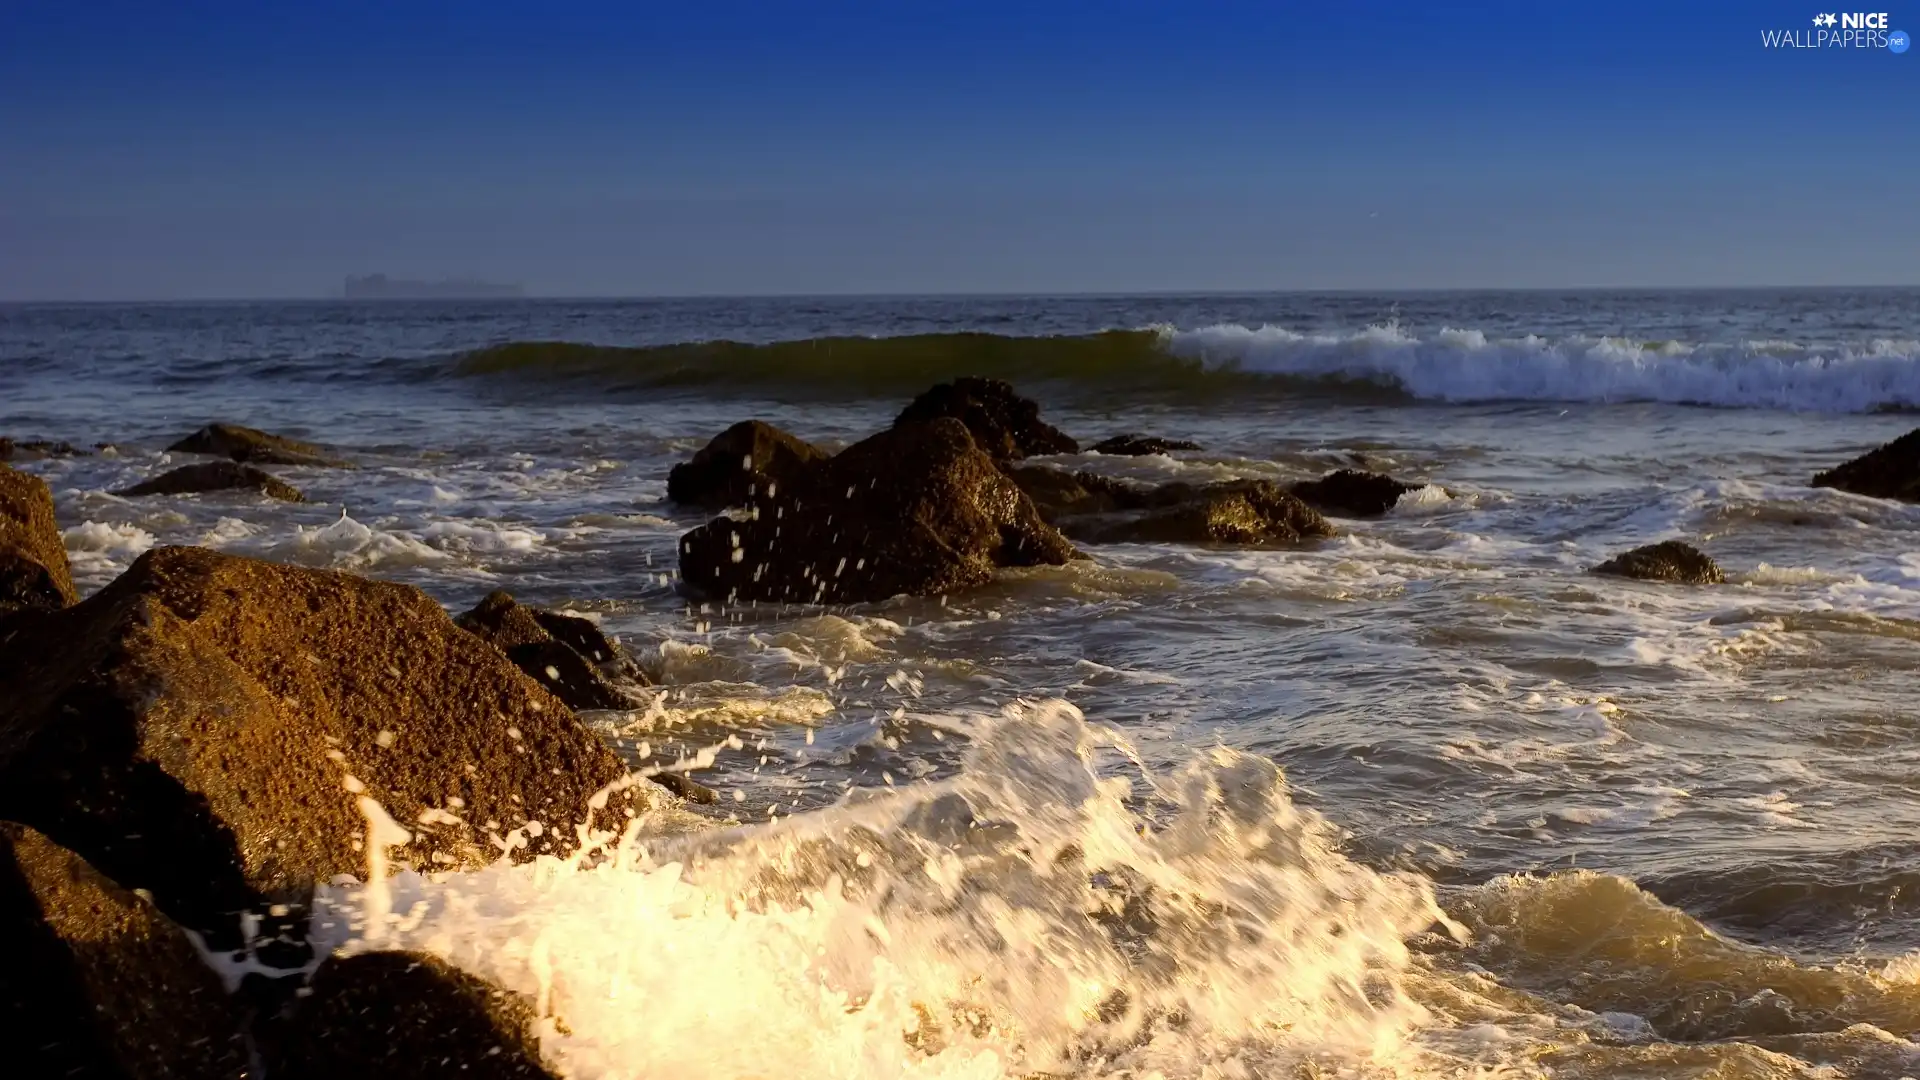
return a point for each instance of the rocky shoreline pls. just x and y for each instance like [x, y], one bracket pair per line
[188, 752]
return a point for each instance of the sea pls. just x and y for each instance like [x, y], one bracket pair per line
[1427, 799]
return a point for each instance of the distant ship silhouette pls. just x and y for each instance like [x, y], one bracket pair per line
[382, 287]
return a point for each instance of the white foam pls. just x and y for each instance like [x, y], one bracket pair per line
[98, 551]
[1466, 365]
[942, 931]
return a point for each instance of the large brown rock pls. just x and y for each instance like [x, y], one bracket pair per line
[251, 446]
[918, 509]
[203, 728]
[1004, 424]
[1669, 560]
[216, 476]
[566, 654]
[34, 574]
[1242, 512]
[1353, 493]
[95, 982]
[749, 456]
[1059, 494]
[1889, 472]
[408, 1016]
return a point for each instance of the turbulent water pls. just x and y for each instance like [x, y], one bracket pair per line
[1423, 800]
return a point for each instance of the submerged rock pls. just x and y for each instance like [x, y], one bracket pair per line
[1352, 492]
[749, 456]
[1004, 424]
[1140, 445]
[205, 728]
[578, 664]
[1244, 512]
[1101, 510]
[254, 447]
[1891, 471]
[215, 476]
[95, 982]
[408, 1016]
[1669, 560]
[918, 509]
[34, 574]
[36, 449]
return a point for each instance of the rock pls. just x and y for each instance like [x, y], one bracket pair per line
[1140, 445]
[686, 787]
[1246, 512]
[96, 982]
[408, 1016]
[203, 727]
[1669, 560]
[918, 509]
[36, 449]
[215, 476]
[1058, 494]
[1004, 424]
[1889, 472]
[1352, 492]
[748, 456]
[34, 574]
[579, 668]
[251, 446]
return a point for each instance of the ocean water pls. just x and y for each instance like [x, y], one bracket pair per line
[1426, 799]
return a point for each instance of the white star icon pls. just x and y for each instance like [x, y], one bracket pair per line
[1830, 19]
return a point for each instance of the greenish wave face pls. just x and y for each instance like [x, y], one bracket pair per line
[1125, 361]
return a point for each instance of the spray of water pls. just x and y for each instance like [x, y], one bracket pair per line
[1035, 915]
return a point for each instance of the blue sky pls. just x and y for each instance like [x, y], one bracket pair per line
[176, 151]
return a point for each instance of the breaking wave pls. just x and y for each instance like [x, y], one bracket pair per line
[1378, 362]
[1040, 915]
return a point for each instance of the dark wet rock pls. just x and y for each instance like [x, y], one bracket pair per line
[34, 574]
[1669, 560]
[566, 654]
[1243, 512]
[1889, 472]
[918, 509]
[216, 476]
[253, 447]
[36, 449]
[686, 787]
[1353, 493]
[1059, 494]
[1140, 445]
[408, 1016]
[95, 982]
[1102, 510]
[204, 726]
[749, 456]
[1004, 424]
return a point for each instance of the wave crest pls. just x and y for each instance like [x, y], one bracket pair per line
[1378, 362]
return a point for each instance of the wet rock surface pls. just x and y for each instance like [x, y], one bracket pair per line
[95, 982]
[34, 574]
[749, 456]
[1003, 424]
[1140, 445]
[252, 446]
[1891, 471]
[1669, 560]
[1101, 510]
[1254, 513]
[1353, 493]
[215, 476]
[919, 509]
[37, 449]
[408, 1016]
[205, 728]
[566, 654]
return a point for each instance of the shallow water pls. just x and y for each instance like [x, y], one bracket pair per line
[1717, 780]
